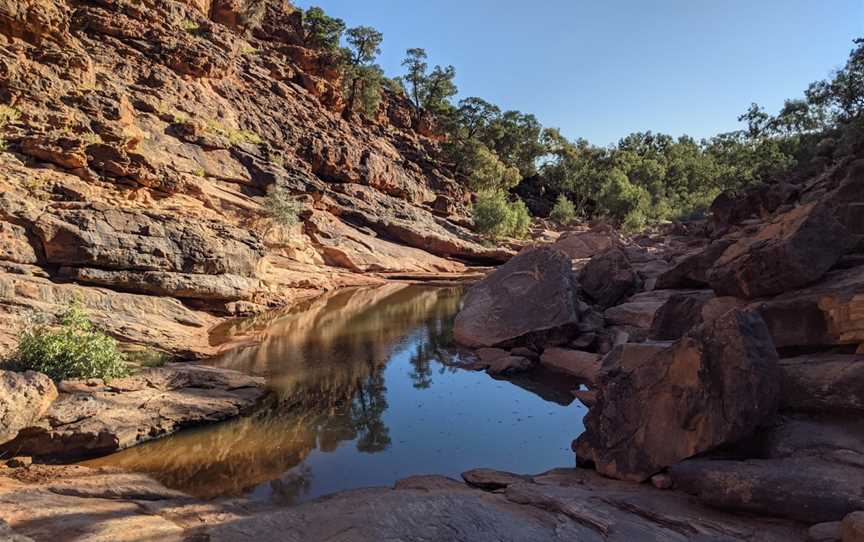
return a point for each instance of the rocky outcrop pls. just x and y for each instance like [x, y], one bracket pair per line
[540, 282]
[24, 398]
[559, 505]
[608, 278]
[785, 254]
[582, 365]
[94, 418]
[715, 386]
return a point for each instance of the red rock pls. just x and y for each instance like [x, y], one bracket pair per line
[608, 278]
[794, 250]
[530, 297]
[584, 365]
[715, 386]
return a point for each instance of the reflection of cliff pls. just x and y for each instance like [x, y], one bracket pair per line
[327, 364]
[346, 327]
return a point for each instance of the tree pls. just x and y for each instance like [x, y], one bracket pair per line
[428, 91]
[362, 77]
[495, 217]
[415, 63]
[474, 116]
[321, 30]
[564, 211]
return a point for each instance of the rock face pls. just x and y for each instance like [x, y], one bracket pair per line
[559, 505]
[102, 418]
[785, 254]
[608, 278]
[715, 386]
[539, 282]
[823, 383]
[24, 398]
[143, 156]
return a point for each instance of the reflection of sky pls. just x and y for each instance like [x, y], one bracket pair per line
[365, 401]
[464, 420]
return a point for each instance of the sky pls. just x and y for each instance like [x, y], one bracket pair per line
[601, 69]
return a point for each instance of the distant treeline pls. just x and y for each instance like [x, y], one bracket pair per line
[645, 178]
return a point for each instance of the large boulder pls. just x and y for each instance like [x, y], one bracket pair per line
[531, 298]
[794, 250]
[586, 244]
[582, 365]
[608, 278]
[24, 398]
[691, 270]
[715, 386]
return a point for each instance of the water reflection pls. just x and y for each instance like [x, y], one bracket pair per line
[366, 393]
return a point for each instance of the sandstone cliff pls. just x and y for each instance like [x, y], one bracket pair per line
[141, 139]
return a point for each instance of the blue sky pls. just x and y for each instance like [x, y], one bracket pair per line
[601, 69]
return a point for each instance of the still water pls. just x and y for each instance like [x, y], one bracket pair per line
[366, 392]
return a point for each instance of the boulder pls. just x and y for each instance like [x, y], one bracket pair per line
[691, 271]
[824, 532]
[24, 398]
[608, 278]
[587, 244]
[794, 250]
[715, 386]
[823, 383]
[102, 419]
[582, 365]
[807, 489]
[531, 298]
[829, 313]
[678, 315]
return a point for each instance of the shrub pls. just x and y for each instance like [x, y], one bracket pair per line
[75, 349]
[496, 217]
[283, 210]
[564, 211]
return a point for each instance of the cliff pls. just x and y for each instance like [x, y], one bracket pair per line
[142, 139]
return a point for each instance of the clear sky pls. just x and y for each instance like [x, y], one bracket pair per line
[601, 69]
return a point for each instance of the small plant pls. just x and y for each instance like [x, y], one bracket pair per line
[74, 349]
[282, 209]
[200, 172]
[148, 358]
[91, 138]
[496, 217]
[247, 50]
[564, 211]
[235, 137]
[190, 26]
[7, 114]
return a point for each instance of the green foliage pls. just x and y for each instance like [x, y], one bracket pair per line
[485, 170]
[7, 114]
[148, 358]
[564, 211]
[190, 26]
[282, 209]
[233, 135]
[495, 217]
[321, 30]
[362, 78]
[429, 92]
[75, 349]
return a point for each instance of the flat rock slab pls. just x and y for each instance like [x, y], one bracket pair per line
[102, 418]
[807, 489]
[823, 383]
[565, 504]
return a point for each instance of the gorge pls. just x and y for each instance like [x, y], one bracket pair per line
[253, 289]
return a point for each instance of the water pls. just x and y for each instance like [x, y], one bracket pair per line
[365, 393]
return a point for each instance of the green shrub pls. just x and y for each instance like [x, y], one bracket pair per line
[496, 217]
[564, 211]
[75, 349]
[283, 210]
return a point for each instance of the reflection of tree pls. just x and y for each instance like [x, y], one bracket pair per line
[433, 345]
[368, 406]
